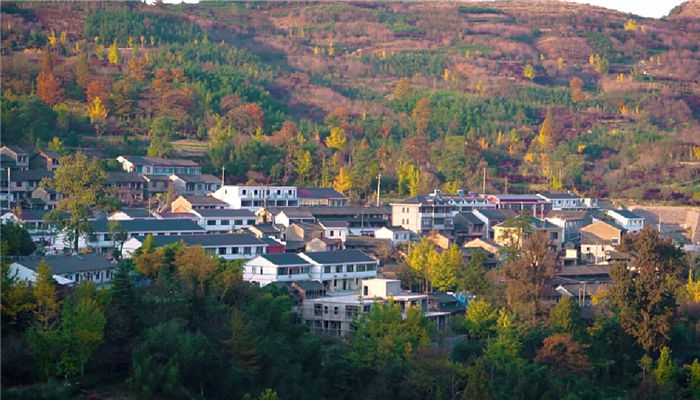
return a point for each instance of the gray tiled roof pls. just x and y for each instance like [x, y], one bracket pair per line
[284, 259]
[319, 193]
[150, 225]
[339, 256]
[226, 212]
[204, 200]
[209, 240]
[68, 264]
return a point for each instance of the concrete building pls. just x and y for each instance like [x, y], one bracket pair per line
[598, 240]
[627, 219]
[159, 165]
[324, 197]
[224, 220]
[229, 246]
[256, 197]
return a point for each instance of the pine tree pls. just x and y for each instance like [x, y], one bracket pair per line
[336, 140]
[529, 72]
[48, 86]
[479, 385]
[82, 70]
[46, 296]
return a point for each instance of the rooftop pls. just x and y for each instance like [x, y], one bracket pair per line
[60, 264]
[225, 212]
[319, 193]
[150, 225]
[333, 223]
[559, 196]
[200, 200]
[212, 240]
[285, 259]
[160, 161]
[625, 214]
[339, 256]
[197, 178]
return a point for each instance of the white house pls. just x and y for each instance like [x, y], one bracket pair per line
[22, 273]
[396, 234]
[333, 229]
[158, 165]
[285, 267]
[108, 236]
[256, 197]
[333, 315]
[564, 201]
[341, 270]
[77, 268]
[627, 219]
[229, 246]
[290, 216]
[224, 220]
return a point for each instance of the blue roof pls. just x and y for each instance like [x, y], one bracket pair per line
[284, 259]
[150, 225]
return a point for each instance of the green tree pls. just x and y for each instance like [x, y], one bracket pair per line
[243, 343]
[81, 330]
[79, 179]
[16, 241]
[479, 386]
[16, 301]
[644, 293]
[694, 384]
[43, 337]
[664, 371]
[565, 317]
[443, 274]
[82, 70]
[474, 279]
[480, 319]
[160, 135]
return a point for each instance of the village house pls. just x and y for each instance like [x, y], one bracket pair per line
[224, 220]
[158, 165]
[598, 240]
[564, 201]
[467, 226]
[46, 160]
[256, 197]
[128, 188]
[200, 184]
[110, 235]
[187, 203]
[77, 268]
[229, 246]
[314, 197]
[14, 157]
[627, 219]
[396, 234]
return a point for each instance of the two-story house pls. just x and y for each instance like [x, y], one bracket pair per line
[333, 314]
[21, 184]
[507, 234]
[286, 216]
[467, 227]
[129, 188]
[362, 221]
[571, 222]
[598, 240]
[334, 229]
[423, 213]
[47, 160]
[157, 184]
[270, 268]
[341, 270]
[492, 217]
[195, 184]
[14, 157]
[256, 197]
[532, 203]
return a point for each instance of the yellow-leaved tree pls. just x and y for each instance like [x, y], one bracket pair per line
[547, 130]
[336, 140]
[113, 55]
[342, 182]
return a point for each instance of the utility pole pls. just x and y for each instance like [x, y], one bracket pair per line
[9, 205]
[223, 169]
[379, 185]
[483, 185]
[506, 184]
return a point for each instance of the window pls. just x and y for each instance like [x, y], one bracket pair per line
[371, 267]
[351, 311]
[246, 250]
[614, 241]
[365, 290]
[331, 233]
[211, 222]
[335, 310]
[338, 269]
[234, 250]
[244, 192]
[318, 309]
[238, 222]
[222, 250]
[224, 222]
[360, 267]
[327, 269]
[351, 268]
[251, 222]
[554, 235]
[282, 271]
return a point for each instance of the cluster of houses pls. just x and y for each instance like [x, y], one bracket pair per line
[327, 253]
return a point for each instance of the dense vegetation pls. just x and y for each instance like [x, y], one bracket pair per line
[290, 94]
[176, 323]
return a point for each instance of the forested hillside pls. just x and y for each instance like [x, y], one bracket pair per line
[545, 96]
